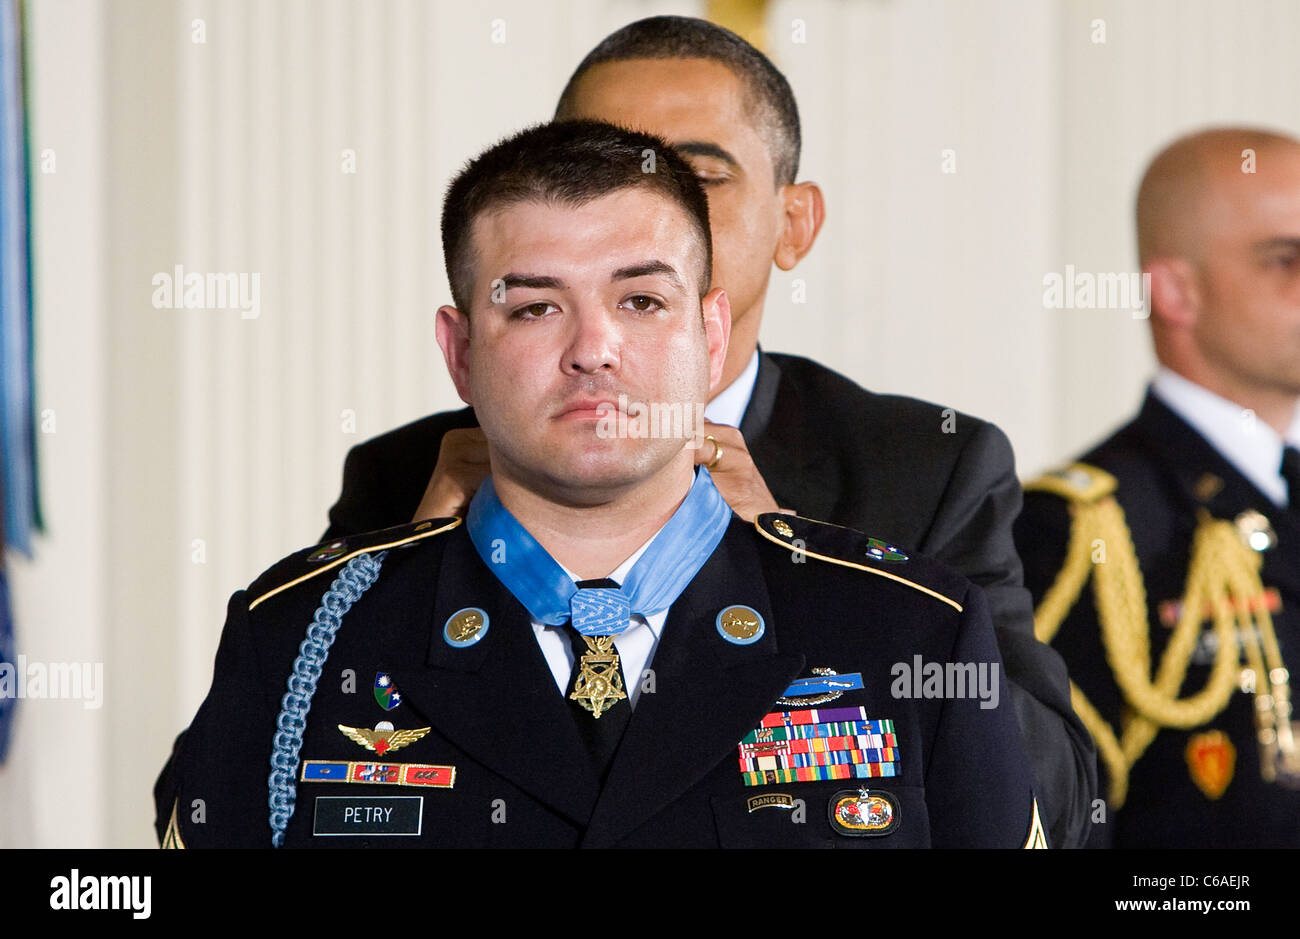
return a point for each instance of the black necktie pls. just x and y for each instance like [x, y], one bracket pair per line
[1291, 473]
[600, 734]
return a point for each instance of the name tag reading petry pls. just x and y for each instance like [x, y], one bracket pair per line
[368, 815]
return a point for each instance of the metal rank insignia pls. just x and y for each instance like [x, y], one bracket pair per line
[816, 745]
[386, 693]
[380, 774]
[383, 738]
[328, 552]
[599, 686]
[864, 812]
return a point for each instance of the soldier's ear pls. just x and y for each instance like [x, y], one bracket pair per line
[452, 328]
[716, 309]
[1175, 291]
[804, 212]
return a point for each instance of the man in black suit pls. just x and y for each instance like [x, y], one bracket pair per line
[790, 433]
[1186, 522]
[604, 654]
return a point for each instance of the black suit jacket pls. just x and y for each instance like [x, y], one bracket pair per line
[1162, 466]
[919, 475]
[522, 777]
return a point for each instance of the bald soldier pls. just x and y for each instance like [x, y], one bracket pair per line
[1165, 563]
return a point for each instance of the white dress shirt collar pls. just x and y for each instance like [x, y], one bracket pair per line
[1245, 441]
[728, 405]
[636, 645]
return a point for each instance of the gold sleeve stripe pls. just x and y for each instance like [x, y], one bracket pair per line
[338, 562]
[1037, 835]
[861, 567]
[172, 839]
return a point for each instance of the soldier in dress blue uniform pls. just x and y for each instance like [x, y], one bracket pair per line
[602, 653]
[1166, 561]
[786, 431]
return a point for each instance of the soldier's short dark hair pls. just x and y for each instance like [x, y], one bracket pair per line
[566, 163]
[771, 101]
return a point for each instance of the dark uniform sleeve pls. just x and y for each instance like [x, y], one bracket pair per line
[993, 807]
[1042, 536]
[384, 478]
[973, 532]
[213, 791]
[363, 505]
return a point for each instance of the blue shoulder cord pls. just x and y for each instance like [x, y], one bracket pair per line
[354, 580]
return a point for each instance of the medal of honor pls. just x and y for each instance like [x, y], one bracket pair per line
[598, 685]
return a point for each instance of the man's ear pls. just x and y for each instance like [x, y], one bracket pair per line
[717, 329]
[805, 210]
[1175, 291]
[452, 328]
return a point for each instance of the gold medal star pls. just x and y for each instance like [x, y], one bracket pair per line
[599, 685]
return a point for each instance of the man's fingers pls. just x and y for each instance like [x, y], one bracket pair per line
[710, 453]
[728, 441]
[465, 445]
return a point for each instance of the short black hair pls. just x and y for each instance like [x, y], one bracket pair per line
[566, 163]
[685, 37]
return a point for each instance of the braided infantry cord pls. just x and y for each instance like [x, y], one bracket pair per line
[354, 580]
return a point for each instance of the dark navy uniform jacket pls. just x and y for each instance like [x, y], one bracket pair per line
[903, 470]
[522, 777]
[1167, 472]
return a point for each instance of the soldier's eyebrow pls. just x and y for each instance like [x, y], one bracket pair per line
[706, 149]
[1285, 241]
[645, 268]
[533, 281]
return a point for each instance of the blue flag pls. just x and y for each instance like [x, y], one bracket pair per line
[7, 654]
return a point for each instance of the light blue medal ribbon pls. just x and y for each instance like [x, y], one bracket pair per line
[656, 580]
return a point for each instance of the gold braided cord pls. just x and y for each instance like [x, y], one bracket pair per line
[1223, 576]
[1122, 609]
[1108, 747]
[1060, 597]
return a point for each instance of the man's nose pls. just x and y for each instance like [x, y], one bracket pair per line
[594, 343]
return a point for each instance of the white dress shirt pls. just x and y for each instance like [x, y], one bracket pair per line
[1245, 441]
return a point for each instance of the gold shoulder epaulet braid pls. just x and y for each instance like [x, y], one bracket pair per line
[1078, 482]
[1222, 577]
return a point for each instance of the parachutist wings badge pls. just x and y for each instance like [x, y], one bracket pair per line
[383, 738]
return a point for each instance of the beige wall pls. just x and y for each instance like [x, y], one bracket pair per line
[192, 448]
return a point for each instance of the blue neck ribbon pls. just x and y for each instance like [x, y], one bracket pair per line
[550, 595]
